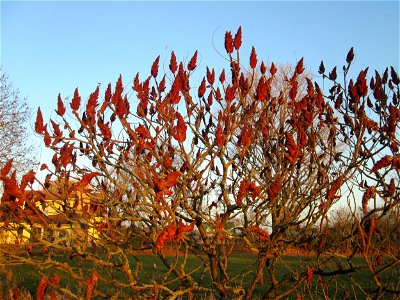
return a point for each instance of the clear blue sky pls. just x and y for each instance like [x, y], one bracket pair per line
[51, 47]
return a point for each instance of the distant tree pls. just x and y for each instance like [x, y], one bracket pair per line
[15, 133]
[248, 157]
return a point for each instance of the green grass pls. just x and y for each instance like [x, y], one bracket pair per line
[240, 270]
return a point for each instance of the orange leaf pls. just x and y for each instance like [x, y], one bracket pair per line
[87, 178]
[180, 129]
[42, 287]
[91, 282]
[262, 234]
[172, 178]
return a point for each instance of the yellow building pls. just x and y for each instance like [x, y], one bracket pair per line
[58, 215]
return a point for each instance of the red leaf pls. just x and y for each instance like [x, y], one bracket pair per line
[66, 154]
[238, 38]
[28, 178]
[172, 179]
[87, 178]
[332, 74]
[210, 99]
[219, 137]
[361, 84]
[42, 287]
[91, 282]
[228, 42]
[274, 189]
[143, 132]
[105, 129]
[262, 234]
[46, 138]
[168, 234]
[299, 66]
[246, 136]
[263, 68]
[76, 101]
[394, 117]
[210, 76]
[60, 106]
[395, 77]
[186, 228]
[321, 68]
[335, 186]
[108, 93]
[253, 58]
[136, 83]
[180, 129]
[56, 129]
[350, 56]
[121, 108]
[273, 69]
[7, 167]
[382, 163]
[39, 126]
[261, 90]
[119, 88]
[391, 188]
[309, 275]
[54, 280]
[247, 187]
[92, 103]
[379, 259]
[202, 88]
[154, 67]
[368, 194]
[292, 149]
[161, 86]
[173, 66]
[192, 63]
[230, 93]
[222, 76]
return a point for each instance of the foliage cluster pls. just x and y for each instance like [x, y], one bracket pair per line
[181, 162]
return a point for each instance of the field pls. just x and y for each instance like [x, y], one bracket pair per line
[241, 268]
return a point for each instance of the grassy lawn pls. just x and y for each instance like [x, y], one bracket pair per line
[241, 269]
